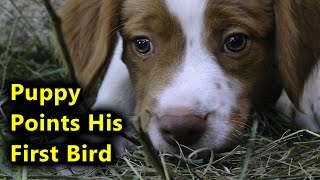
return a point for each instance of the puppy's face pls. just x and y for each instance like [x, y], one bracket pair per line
[197, 67]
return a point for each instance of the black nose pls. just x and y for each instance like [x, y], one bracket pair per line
[184, 129]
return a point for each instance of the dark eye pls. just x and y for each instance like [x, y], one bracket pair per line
[143, 45]
[235, 43]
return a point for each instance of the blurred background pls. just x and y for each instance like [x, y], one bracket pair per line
[26, 21]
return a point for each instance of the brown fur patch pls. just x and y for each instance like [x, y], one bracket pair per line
[89, 28]
[254, 66]
[298, 44]
[153, 73]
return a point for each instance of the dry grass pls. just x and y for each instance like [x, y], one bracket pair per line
[267, 151]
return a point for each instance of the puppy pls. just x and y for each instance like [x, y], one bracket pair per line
[194, 70]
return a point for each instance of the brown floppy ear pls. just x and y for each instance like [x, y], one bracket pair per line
[90, 32]
[297, 43]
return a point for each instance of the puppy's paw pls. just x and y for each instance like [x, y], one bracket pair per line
[119, 144]
[308, 118]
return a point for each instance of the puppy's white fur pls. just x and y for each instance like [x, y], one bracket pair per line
[116, 92]
[194, 84]
[309, 118]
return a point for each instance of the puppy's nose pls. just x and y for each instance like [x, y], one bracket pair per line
[185, 129]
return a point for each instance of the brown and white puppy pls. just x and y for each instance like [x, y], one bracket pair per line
[194, 70]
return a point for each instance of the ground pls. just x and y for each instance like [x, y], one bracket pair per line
[268, 150]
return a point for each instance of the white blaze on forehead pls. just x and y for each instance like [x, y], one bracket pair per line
[200, 83]
[190, 14]
[196, 82]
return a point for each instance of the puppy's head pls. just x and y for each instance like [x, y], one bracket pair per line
[197, 67]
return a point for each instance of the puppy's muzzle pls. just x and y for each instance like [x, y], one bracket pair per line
[186, 129]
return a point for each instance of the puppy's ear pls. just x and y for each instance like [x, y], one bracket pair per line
[297, 43]
[90, 32]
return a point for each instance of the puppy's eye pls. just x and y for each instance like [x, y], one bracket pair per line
[235, 43]
[143, 45]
